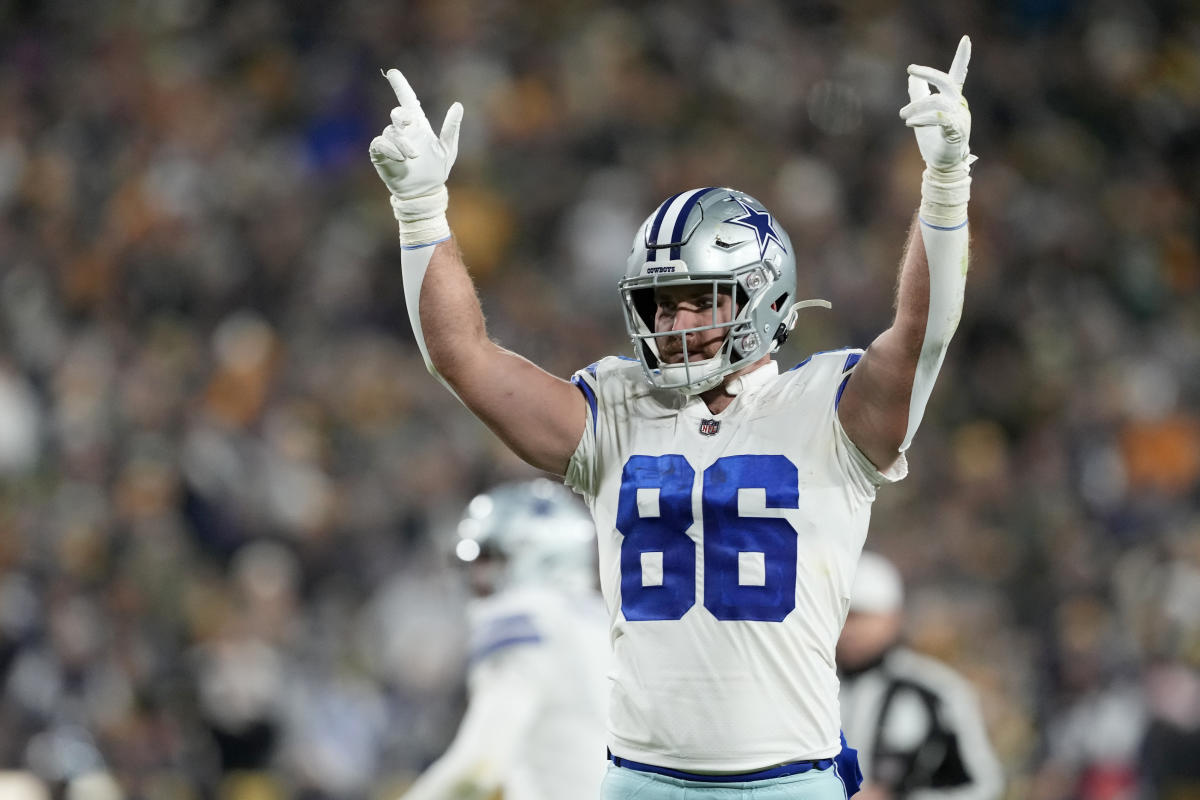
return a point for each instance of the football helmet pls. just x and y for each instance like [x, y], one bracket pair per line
[725, 239]
[540, 529]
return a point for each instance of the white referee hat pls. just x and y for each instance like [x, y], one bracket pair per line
[877, 588]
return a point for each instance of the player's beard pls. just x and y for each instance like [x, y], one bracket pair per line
[700, 347]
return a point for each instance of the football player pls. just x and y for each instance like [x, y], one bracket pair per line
[534, 725]
[731, 500]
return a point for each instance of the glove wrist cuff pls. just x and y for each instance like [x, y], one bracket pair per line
[422, 219]
[944, 194]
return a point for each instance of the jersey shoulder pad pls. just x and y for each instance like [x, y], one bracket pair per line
[611, 380]
[841, 361]
[823, 372]
[608, 370]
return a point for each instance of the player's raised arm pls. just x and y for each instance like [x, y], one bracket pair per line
[886, 396]
[539, 416]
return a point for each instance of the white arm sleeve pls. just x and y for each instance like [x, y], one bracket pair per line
[946, 249]
[943, 220]
[504, 701]
[414, 262]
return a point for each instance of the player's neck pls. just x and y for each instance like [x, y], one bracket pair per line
[717, 399]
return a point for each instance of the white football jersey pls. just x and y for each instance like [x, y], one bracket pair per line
[727, 544]
[557, 641]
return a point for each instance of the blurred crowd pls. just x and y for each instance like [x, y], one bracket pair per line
[227, 482]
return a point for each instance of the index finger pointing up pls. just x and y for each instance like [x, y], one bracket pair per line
[958, 67]
[404, 93]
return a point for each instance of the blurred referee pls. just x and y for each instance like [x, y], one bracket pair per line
[915, 722]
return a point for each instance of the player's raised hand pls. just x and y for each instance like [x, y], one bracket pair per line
[410, 158]
[941, 121]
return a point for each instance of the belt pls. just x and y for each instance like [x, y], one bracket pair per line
[779, 771]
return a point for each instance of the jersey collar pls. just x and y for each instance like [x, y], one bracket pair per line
[749, 381]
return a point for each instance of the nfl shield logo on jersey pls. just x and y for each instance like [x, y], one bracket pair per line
[709, 427]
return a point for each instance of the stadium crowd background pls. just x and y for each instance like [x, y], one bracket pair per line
[228, 483]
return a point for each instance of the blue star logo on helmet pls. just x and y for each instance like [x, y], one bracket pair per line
[760, 223]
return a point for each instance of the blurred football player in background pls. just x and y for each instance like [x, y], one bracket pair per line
[915, 722]
[731, 500]
[534, 725]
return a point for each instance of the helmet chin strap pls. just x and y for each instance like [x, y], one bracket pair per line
[736, 386]
[697, 386]
[789, 319]
[814, 303]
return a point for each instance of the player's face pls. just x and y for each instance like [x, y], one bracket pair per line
[681, 307]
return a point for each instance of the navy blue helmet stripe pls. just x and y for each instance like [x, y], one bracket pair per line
[652, 236]
[681, 220]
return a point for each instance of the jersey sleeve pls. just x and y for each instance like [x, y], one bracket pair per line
[861, 466]
[502, 632]
[854, 460]
[582, 468]
[816, 388]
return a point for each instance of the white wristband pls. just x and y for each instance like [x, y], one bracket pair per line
[944, 194]
[422, 219]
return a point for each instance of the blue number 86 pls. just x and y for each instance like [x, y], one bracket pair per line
[749, 562]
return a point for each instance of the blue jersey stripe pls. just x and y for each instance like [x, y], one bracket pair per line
[502, 644]
[941, 228]
[851, 360]
[794, 768]
[588, 394]
[837, 401]
[501, 632]
[845, 366]
[427, 244]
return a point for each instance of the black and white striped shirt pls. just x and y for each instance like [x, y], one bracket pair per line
[918, 729]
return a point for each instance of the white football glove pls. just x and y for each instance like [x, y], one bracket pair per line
[942, 121]
[942, 124]
[414, 164]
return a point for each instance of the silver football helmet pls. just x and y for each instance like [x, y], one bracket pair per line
[540, 529]
[721, 238]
